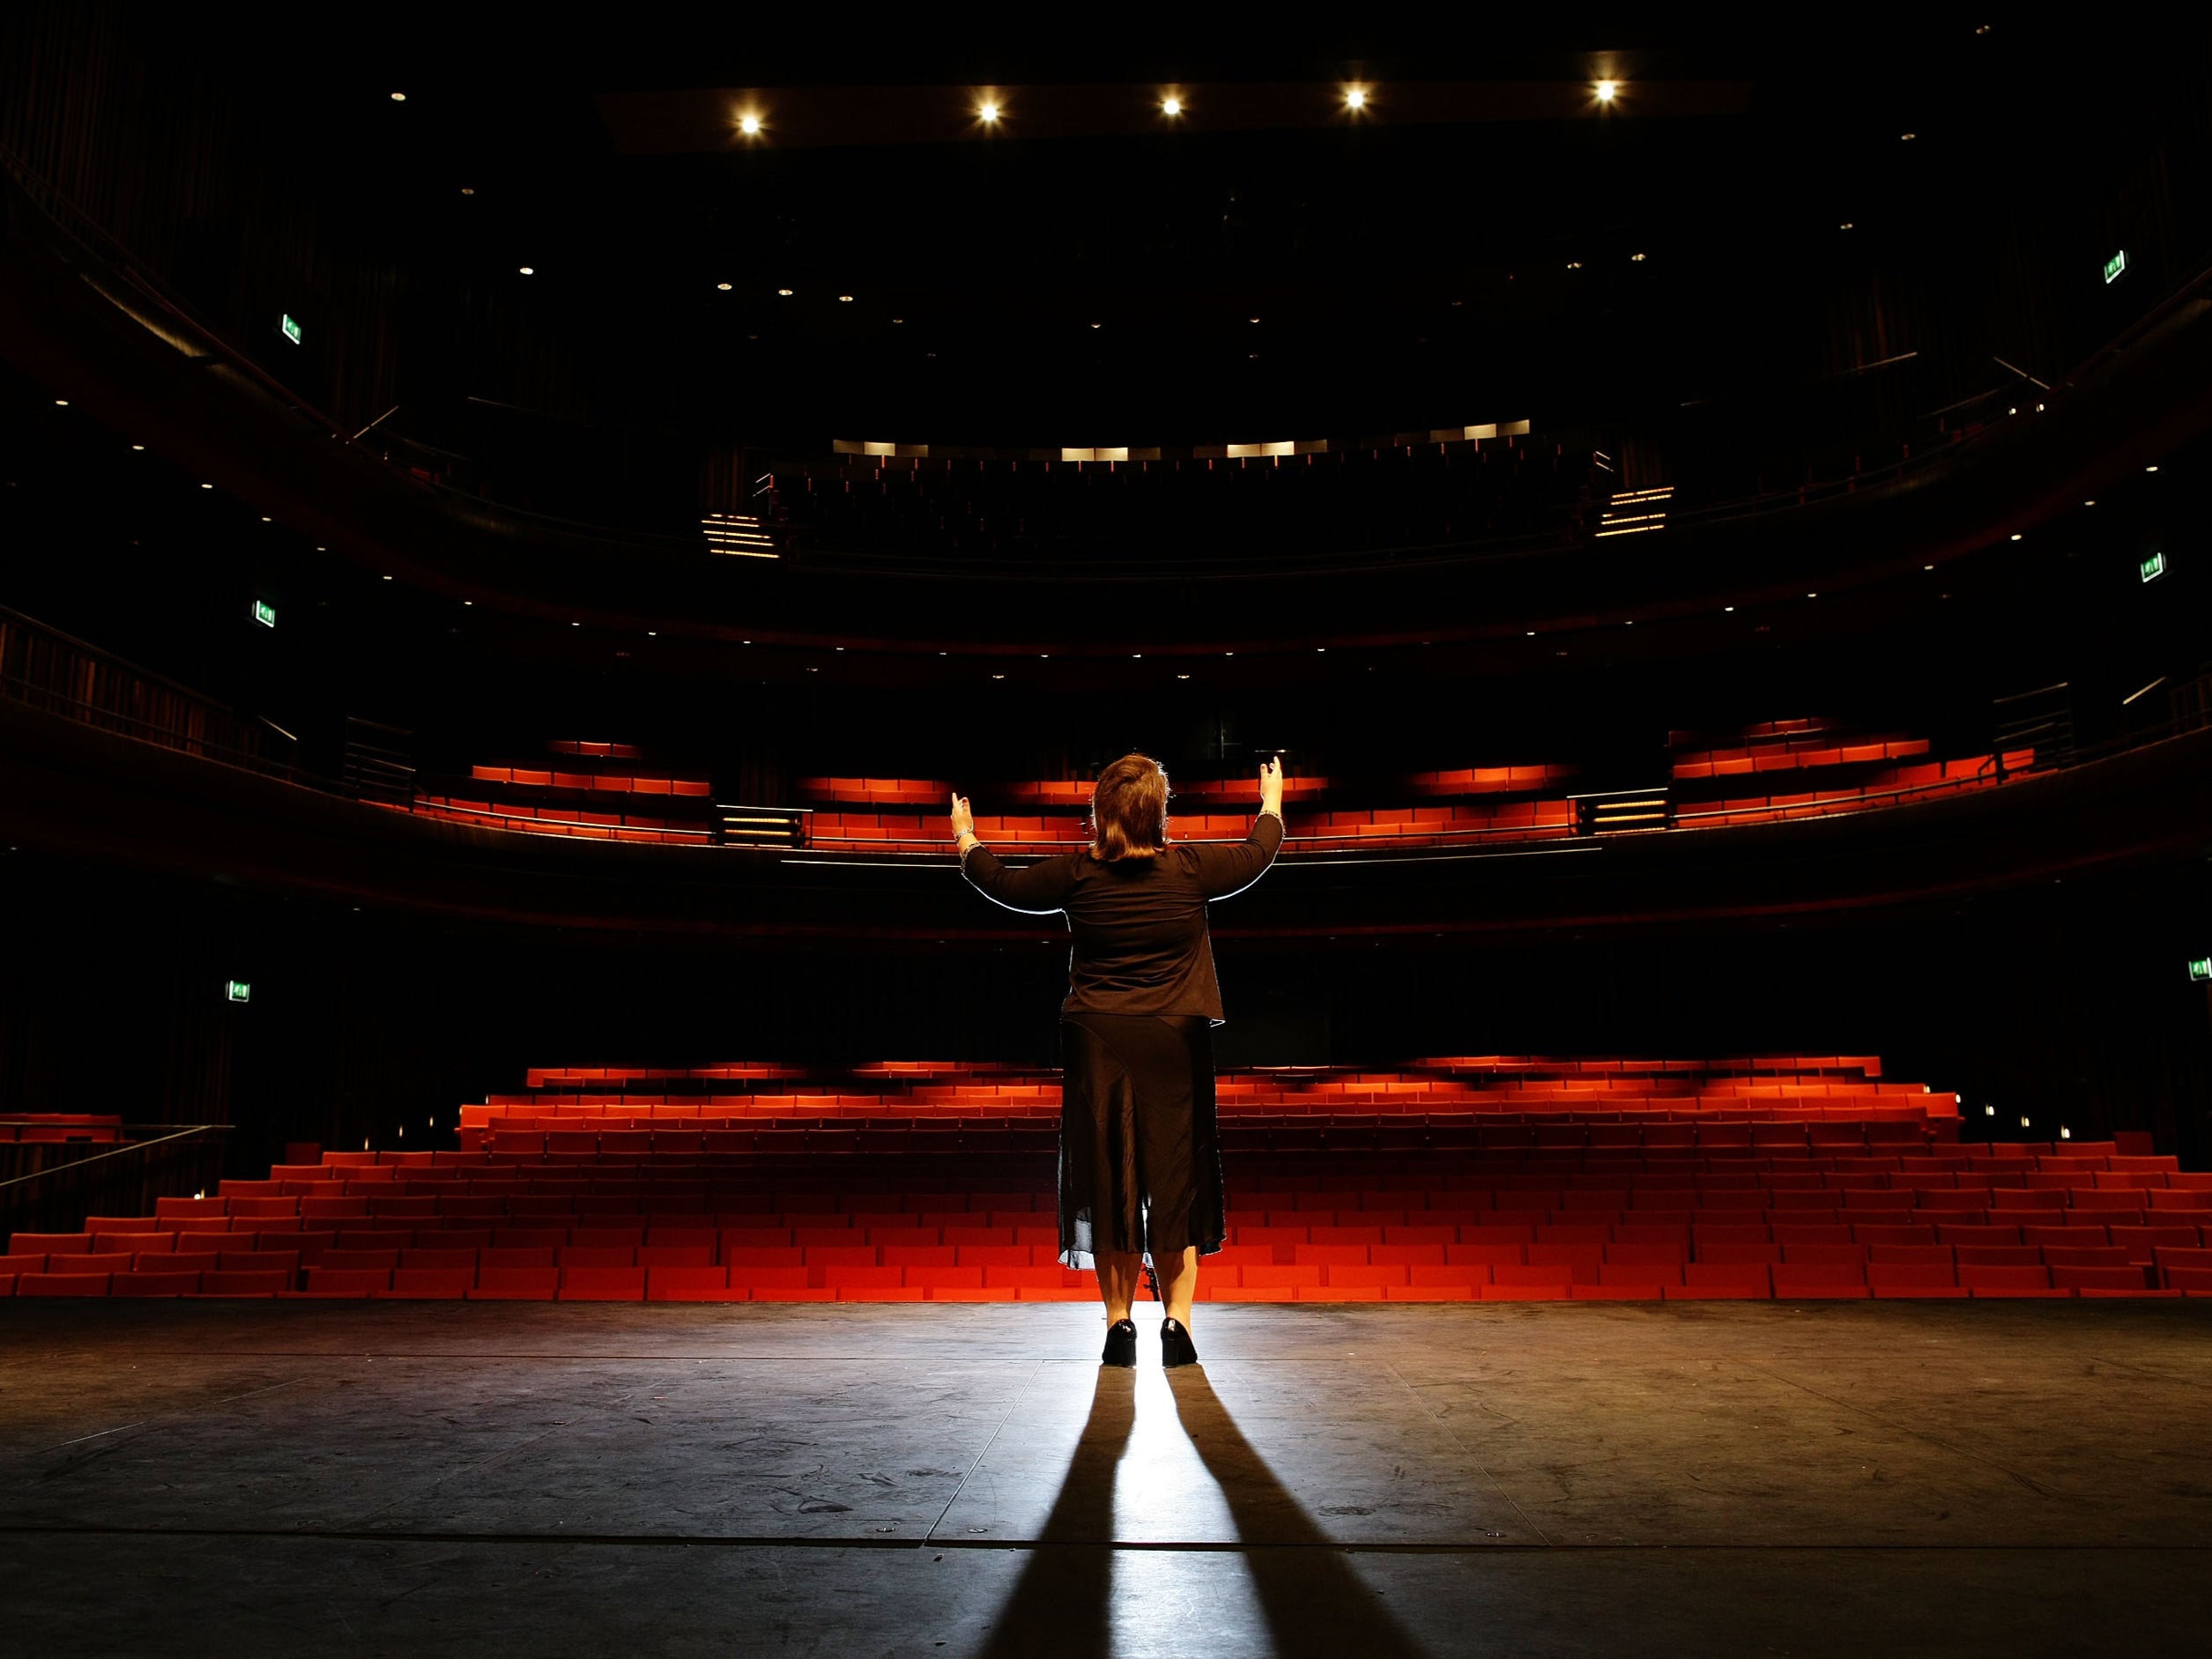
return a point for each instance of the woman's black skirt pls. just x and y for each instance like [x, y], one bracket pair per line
[1141, 1156]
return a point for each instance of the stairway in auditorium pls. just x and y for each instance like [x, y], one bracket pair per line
[1466, 1178]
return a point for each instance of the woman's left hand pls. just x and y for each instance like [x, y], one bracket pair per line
[963, 820]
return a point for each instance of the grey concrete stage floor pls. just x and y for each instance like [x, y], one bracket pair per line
[241, 1478]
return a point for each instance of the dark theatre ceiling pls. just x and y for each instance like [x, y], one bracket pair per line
[1751, 217]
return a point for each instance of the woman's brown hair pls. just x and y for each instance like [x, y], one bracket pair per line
[1129, 809]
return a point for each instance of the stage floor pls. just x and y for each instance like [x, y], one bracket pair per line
[842, 1479]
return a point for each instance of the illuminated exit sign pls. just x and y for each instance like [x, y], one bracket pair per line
[2152, 567]
[2200, 968]
[2116, 267]
[290, 328]
[265, 613]
[239, 991]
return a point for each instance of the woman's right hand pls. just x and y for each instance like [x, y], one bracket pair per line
[1271, 786]
[963, 820]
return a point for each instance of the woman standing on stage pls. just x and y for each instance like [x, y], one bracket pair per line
[1140, 1161]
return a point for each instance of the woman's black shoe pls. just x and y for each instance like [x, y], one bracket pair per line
[1121, 1343]
[1176, 1347]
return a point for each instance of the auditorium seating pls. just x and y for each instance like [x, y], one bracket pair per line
[600, 791]
[607, 791]
[1814, 768]
[1459, 1178]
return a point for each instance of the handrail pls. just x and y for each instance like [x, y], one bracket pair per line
[74, 1165]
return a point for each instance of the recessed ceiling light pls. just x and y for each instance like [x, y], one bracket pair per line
[2091, 502]
[1812, 596]
[1574, 264]
[1098, 325]
[844, 299]
[2016, 535]
[1356, 98]
[1532, 634]
[1907, 137]
[722, 287]
[1727, 607]
[786, 292]
[140, 446]
[1606, 90]
[997, 677]
[61, 402]
[988, 111]
[1171, 106]
[1636, 259]
[388, 579]
[266, 519]
[1927, 568]
[895, 321]
[1183, 676]
[749, 125]
[399, 98]
[207, 487]
[1848, 225]
[468, 190]
[527, 270]
[1321, 649]
[2151, 469]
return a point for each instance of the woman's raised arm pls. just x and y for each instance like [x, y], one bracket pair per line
[1038, 889]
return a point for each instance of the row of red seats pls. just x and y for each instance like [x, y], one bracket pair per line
[592, 782]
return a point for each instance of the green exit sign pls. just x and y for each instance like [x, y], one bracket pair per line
[264, 613]
[2116, 267]
[2152, 567]
[2200, 968]
[237, 990]
[289, 325]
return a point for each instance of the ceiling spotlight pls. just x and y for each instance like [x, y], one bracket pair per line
[844, 299]
[997, 677]
[140, 446]
[1727, 607]
[399, 98]
[1183, 676]
[1171, 106]
[528, 270]
[1356, 98]
[1636, 259]
[2091, 502]
[2151, 469]
[987, 112]
[786, 292]
[722, 287]
[1098, 325]
[749, 125]
[1574, 264]
[1907, 137]
[2016, 535]
[1606, 90]
[468, 190]
[61, 402]
[1848, 225]
[207, 487]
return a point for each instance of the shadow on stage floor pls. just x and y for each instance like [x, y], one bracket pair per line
[1077, 1586]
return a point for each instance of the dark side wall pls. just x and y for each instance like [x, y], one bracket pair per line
[2068, 1005]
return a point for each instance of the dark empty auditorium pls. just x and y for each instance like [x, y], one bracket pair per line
[896, 835]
